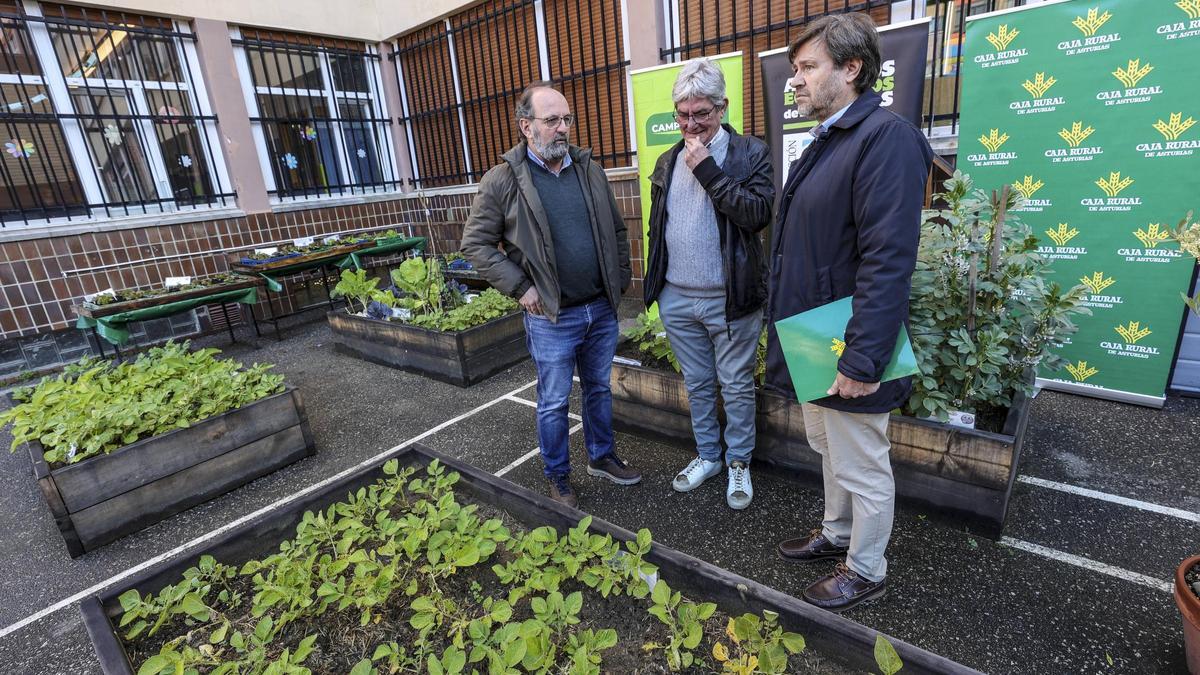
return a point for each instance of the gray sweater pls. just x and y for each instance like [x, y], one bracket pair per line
[693, 241]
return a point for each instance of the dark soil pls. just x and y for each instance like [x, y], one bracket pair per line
[991, 418]
[629, 350]
[1192, 579]
[342, 641]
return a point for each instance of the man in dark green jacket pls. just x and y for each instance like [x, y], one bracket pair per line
[545, 228]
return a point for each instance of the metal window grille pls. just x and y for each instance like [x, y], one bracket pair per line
[460, 79]
[710, 27]
[102, 113]
[319, 114]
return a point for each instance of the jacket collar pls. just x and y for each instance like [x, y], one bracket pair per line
[859, 110]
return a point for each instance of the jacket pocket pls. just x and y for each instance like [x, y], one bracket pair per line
[824, 286]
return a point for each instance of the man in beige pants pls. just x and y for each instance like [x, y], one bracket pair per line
[848, 225]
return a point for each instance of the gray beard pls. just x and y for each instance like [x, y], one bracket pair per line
[552, 151]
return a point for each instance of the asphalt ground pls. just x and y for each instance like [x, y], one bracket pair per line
[1079, 584]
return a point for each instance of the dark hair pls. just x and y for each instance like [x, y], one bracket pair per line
[845, 36]
[525, 102]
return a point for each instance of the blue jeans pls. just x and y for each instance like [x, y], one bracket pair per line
[711, 351]
[585, 336]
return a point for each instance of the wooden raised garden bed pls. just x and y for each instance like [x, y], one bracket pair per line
[836, 637]
[964, 472]
[461, 358]
[106, 497]
[93, 311]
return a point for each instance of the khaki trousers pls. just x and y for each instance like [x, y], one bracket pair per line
[860, 494]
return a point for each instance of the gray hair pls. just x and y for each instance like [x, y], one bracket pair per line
[699, 79]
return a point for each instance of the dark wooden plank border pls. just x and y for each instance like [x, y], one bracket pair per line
[832, 634]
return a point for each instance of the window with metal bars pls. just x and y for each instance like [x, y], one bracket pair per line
[461, 76]
[103, 114]
[318, 114]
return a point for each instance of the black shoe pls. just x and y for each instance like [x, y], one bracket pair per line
[844, 589]
[611, 467]
[562, 492]
[811, 548]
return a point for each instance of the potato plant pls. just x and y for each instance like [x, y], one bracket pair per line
[402, 577]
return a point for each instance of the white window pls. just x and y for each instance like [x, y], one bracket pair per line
[318, 114]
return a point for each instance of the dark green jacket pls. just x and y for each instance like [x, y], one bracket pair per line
[507, 237]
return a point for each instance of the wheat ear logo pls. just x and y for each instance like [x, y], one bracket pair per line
[1093, 22]
[1002, 37]
[1152, 236]
[1132, 73]
[1062, 235]
[1114, 184]
[1097, 282]
[1132, 332]
[1173, 129]
[993, 140]
[1076, 135]
[1028, 186]
[1041, 84]
[837, 347]
[1081, 370]
[1191, 7]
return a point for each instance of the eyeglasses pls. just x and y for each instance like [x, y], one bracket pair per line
[701, 116]
[553, 120]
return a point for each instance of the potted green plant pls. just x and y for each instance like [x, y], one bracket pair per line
[427, 325]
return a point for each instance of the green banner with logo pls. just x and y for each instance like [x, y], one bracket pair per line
[1090, 110]
[654, 115]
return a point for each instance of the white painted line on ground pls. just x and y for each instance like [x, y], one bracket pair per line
[194, 543]
[1115, 499]
[533, 404]
[1088, 564]
[531, 454]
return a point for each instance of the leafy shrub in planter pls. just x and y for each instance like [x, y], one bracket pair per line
[401, 577]
[431, 301]
[983, 316]
[94, 407]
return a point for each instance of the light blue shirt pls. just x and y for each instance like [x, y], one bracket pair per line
[827, 124]
[538, 160]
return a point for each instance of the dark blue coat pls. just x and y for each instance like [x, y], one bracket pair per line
[849, 222]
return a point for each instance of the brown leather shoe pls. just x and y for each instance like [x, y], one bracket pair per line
[843, 589]
[562, 492]
[811, 548]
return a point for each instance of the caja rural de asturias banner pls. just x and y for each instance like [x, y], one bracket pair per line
[901, 84]
[654, 117]
[1090, 109]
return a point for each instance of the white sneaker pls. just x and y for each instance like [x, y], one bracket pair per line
[740, 490]
[696, 472]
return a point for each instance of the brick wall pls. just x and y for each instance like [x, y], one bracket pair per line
[41, 279]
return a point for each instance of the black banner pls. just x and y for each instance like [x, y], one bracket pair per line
[901, 83]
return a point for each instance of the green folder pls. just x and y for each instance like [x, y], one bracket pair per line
[812, 342]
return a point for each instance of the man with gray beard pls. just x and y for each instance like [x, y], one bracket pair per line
[545, 228]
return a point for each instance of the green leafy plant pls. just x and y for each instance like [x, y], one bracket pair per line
[382, 565]
[886, 657]
[490, 304]
[97, 408]
[420, 279]
[983, 318]
[357, 288]
[651, 339]
[1187, 233]
[213, 281]
[757, 645]
[685, 619]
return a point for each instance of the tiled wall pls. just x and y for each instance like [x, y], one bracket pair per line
[41, 279]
